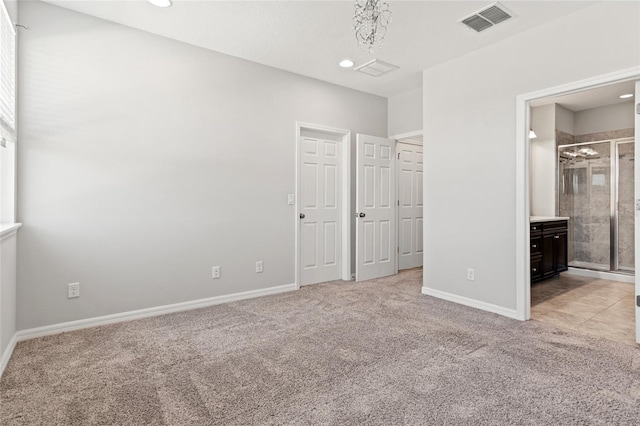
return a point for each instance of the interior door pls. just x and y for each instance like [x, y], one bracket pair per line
[409, 206]
[375, 207]
[637, 209]
[320, 210]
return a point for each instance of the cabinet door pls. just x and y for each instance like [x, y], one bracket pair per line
[547, 264]
[560, 251]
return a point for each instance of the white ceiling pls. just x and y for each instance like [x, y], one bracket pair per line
[591, 98]
[311, 37]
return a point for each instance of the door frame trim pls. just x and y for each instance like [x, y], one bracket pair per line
[345, 199]
[407, 135]
[523, 178]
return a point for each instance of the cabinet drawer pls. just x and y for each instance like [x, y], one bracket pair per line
[553, 227]
[536, 245]
[535, 229]
[536, 268]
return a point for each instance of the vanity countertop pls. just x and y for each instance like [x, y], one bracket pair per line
[536, 219]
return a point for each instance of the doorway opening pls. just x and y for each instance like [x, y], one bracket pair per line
[578, 175]
[359, 214]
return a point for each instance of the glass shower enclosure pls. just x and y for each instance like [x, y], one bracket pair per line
[595, 190]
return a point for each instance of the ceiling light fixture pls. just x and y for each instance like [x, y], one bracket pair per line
[370, 21]
[160, 3]
[346, 63]
[626, 95]
[532, 134]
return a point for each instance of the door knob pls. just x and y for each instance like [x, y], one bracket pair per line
[362, 215]
[302, 216]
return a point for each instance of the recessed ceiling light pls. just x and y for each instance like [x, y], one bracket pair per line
[626, 95]
[161, 3]
[346, 63]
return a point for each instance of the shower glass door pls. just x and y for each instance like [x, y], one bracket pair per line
[626, 252]
[585, 197]
[596, 191]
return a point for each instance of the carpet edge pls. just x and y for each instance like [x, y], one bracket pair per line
[48, 330]
[472, 303]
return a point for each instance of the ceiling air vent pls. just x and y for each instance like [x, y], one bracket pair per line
[376, 68]
[486, 18]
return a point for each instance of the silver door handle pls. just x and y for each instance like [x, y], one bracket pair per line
[556, 236]
[362, 215]
[302, 216]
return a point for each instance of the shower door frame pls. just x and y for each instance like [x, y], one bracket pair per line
[616, 219]
[614, 175]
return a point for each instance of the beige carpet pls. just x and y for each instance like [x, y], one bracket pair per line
[337, 353]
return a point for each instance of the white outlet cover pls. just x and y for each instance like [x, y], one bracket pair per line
[291, 199]
[215, 272]
[73, 290]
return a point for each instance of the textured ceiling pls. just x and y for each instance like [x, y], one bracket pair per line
[311, 37]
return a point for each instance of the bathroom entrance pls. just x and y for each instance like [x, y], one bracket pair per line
[581, 151]
[596, 191]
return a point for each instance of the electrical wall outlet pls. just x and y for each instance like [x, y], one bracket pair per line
[471, 274]
[215, 272]
[259, 266]
[73, 290]
[291, 199]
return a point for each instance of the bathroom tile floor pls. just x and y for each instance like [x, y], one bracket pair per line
[591, 305]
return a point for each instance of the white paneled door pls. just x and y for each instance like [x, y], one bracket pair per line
[375, 207]
[637, 212]
[320, 210]
[409, 205]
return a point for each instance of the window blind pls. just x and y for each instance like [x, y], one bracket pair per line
[7, 77]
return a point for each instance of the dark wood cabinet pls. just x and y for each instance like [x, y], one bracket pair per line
[548, 249]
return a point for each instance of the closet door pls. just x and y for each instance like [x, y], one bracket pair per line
[320, 210]
[375, 207]
[409, 159]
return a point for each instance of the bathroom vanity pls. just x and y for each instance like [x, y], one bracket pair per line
[548, 246]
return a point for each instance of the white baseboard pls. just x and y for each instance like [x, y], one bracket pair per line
[601, 274]
[510, 313]
[7, 353]
[47, 330]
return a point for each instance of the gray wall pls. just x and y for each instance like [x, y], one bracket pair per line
[604, 119]
[470, 121]
[7, 291]
[144, 162]
[405, 112]
[565, 120]
[543, 161]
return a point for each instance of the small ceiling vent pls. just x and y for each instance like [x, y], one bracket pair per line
[486, 18]
[376, 68]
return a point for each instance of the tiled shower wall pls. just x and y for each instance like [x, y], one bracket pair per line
[585, 197]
